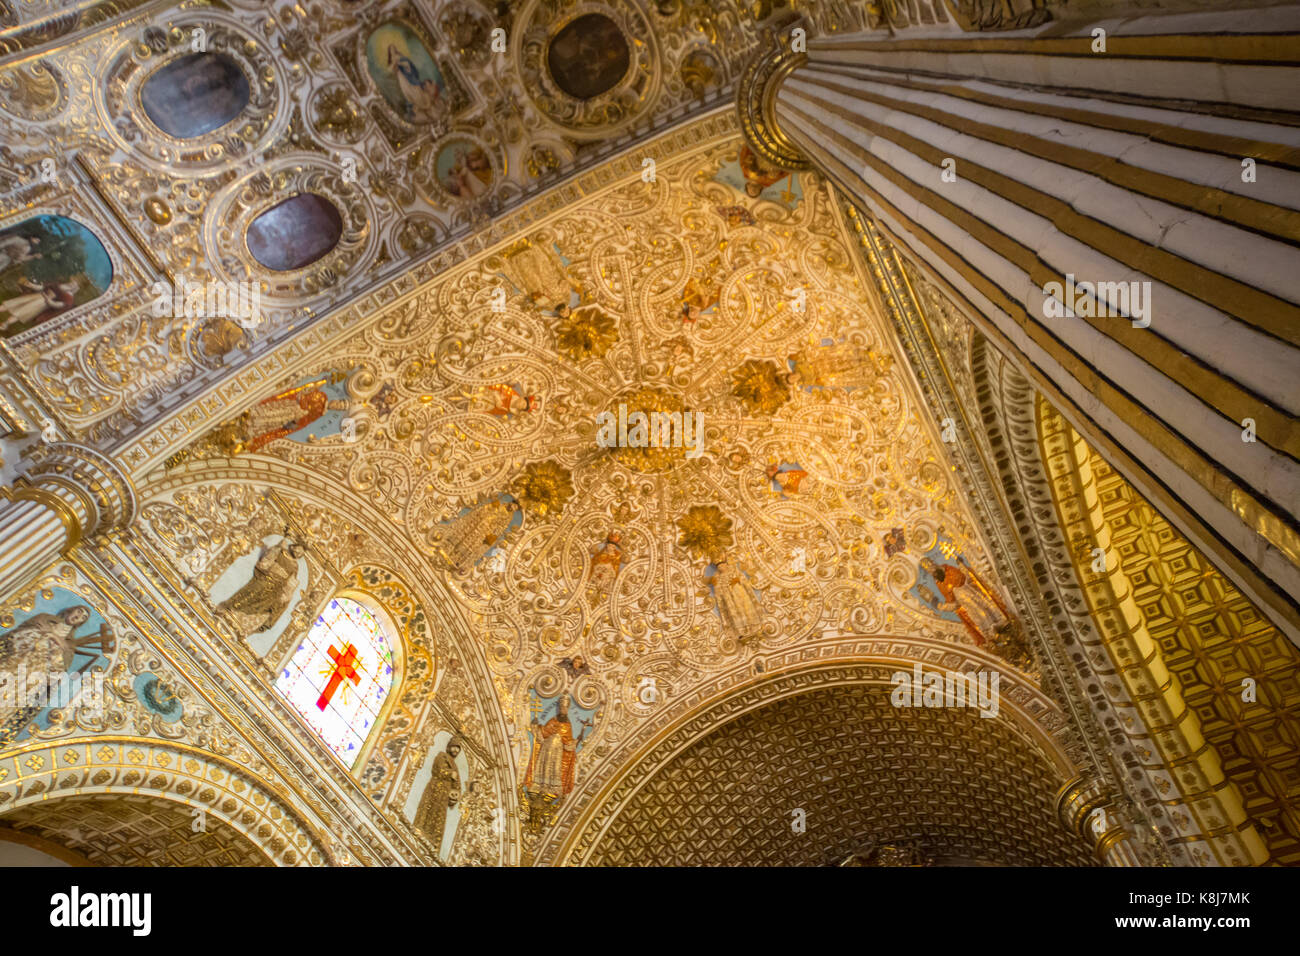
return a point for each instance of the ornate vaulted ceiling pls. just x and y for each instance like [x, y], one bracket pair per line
[480, 256]
[503, 105]
[485, 238]
[463, 419]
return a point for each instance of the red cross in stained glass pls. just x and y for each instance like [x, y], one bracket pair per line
[344, 669]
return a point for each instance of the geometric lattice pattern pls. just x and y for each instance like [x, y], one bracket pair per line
[127, 830]
[1212, 638]
[958, 785]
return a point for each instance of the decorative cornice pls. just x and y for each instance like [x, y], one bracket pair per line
[63, 26]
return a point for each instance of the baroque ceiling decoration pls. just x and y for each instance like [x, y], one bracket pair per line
[477, 321]
[418, 121]
[807, 495]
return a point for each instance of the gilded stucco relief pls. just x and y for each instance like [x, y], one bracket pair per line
[125, 687]
[603, 584]
[205, 529]
[137, 724]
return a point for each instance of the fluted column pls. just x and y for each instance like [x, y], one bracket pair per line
[68, 494]
[1013, 166]
[1088, 810]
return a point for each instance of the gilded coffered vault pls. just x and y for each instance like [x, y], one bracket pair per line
[451, 433]
[1185, 642]
[877, 774]
[106, 830]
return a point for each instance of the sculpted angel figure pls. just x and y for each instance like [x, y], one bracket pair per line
[605, 562]
[502, 401]
[791, 479]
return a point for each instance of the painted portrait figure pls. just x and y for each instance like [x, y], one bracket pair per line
[194, 94]
[588, 56]
[464, 170]
[59, 636]
[18, 249]
[48, 265]
[405, 73]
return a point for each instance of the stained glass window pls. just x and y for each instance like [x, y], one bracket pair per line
[339, 676]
